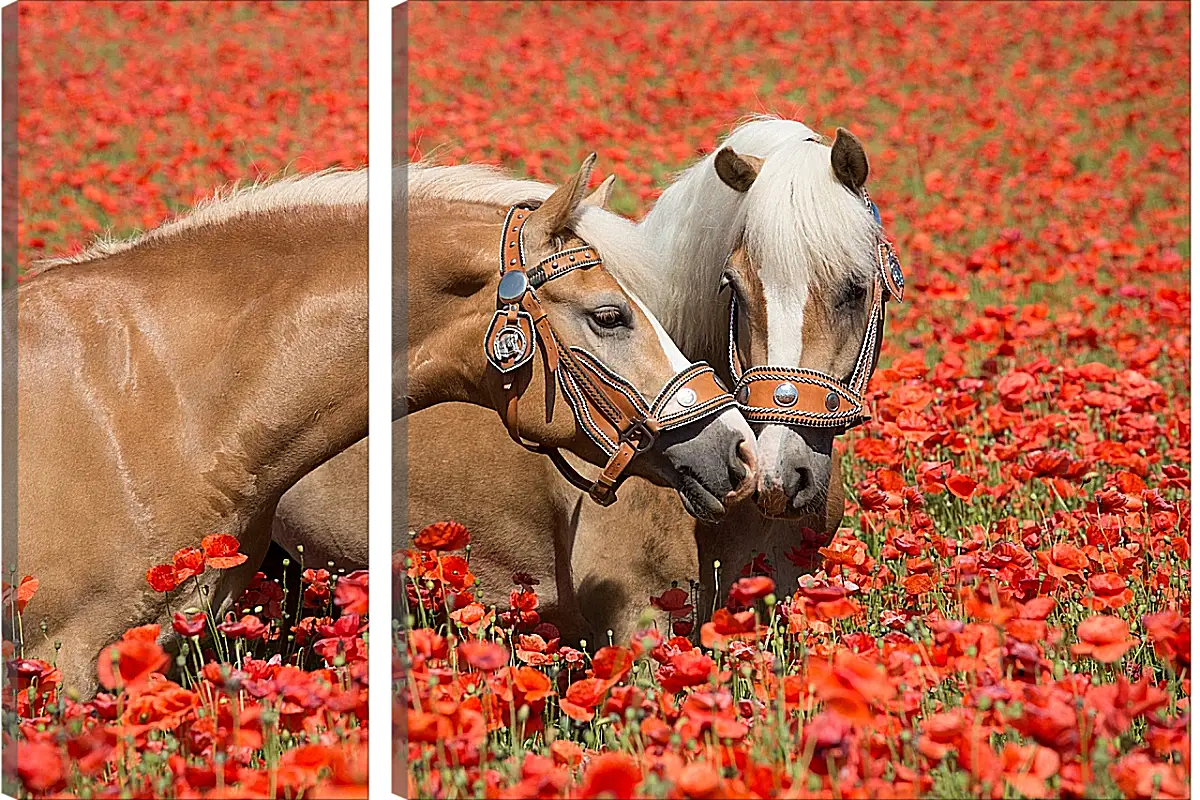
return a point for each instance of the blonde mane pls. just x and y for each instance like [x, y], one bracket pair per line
[614, 236]
[332, 188]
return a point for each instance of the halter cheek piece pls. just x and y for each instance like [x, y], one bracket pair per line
[609, 409]
[812, 399]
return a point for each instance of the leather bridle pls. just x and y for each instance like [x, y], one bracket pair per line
[609, 409]
[808, 398]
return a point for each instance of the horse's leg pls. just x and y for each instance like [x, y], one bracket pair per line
[790, 546]
[629, 552]
[87, 635]
[500, 492]
[323, 519]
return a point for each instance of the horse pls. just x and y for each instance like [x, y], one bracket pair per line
[779, 210]
[173, 385]
[633, 403]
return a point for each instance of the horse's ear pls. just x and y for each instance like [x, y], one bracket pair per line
[736, 171]
[849, 161]
[601, 194]
[553, 215]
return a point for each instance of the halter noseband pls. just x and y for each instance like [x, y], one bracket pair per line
[609, 409]
[808, 398]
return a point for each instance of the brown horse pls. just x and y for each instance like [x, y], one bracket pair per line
[175, 385]
[803, 257]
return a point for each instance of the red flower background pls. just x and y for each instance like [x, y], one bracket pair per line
[1005, 611]
[130, 113]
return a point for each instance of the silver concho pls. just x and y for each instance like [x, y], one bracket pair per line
[510, 343]
[513, 286]
[832, 401]
[786, 395]
[686, 397]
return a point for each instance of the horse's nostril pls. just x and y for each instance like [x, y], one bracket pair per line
[806, 479]
[749, 456]
[743, 472]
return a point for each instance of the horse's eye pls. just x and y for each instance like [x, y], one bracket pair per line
[852, 296]
[726, 281]
[608, 317]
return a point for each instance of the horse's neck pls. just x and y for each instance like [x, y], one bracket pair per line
[692, 229]
[451, 300]
[234, 357]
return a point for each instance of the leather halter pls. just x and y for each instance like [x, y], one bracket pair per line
[609, 409]
[808, 398]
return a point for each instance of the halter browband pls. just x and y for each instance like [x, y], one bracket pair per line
[609, 409]
[808, 398]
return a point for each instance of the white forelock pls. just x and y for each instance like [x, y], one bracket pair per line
[801, 225]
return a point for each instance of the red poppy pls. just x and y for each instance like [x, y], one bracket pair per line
[1063, 561]
[699, 780]
[674, 601]
[961, 486]
[129, 663]
[474, 617]
[442, 536]
[1171, 633]
[41, 766]
[688, 668]
[747, 590]
[566, 753]
[1110, 591]
[351, 594]
[850, 685]
[919, 584]
[613, 775]
[582, 698]
[221, 551]
[188, 626]
[248, 627]
[612, 664]
[1104, 638]
[188, 562]
[727, 626]
[161, 578]
[483, 656]
[24, 593]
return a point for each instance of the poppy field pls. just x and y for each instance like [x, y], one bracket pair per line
[1005, 611]
[130, 113]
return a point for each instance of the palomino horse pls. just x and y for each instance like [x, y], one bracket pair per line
[804, 244]
[627, 389]
[175, 385]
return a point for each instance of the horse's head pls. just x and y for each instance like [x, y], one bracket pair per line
[804, 279]
[600, 333]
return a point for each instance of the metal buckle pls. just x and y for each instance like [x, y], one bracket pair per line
[640, 436]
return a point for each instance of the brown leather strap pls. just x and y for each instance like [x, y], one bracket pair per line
[696, 393]
[512, 419]
[818, 401]
[604, 491]
[561, 263]
[542, 325]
